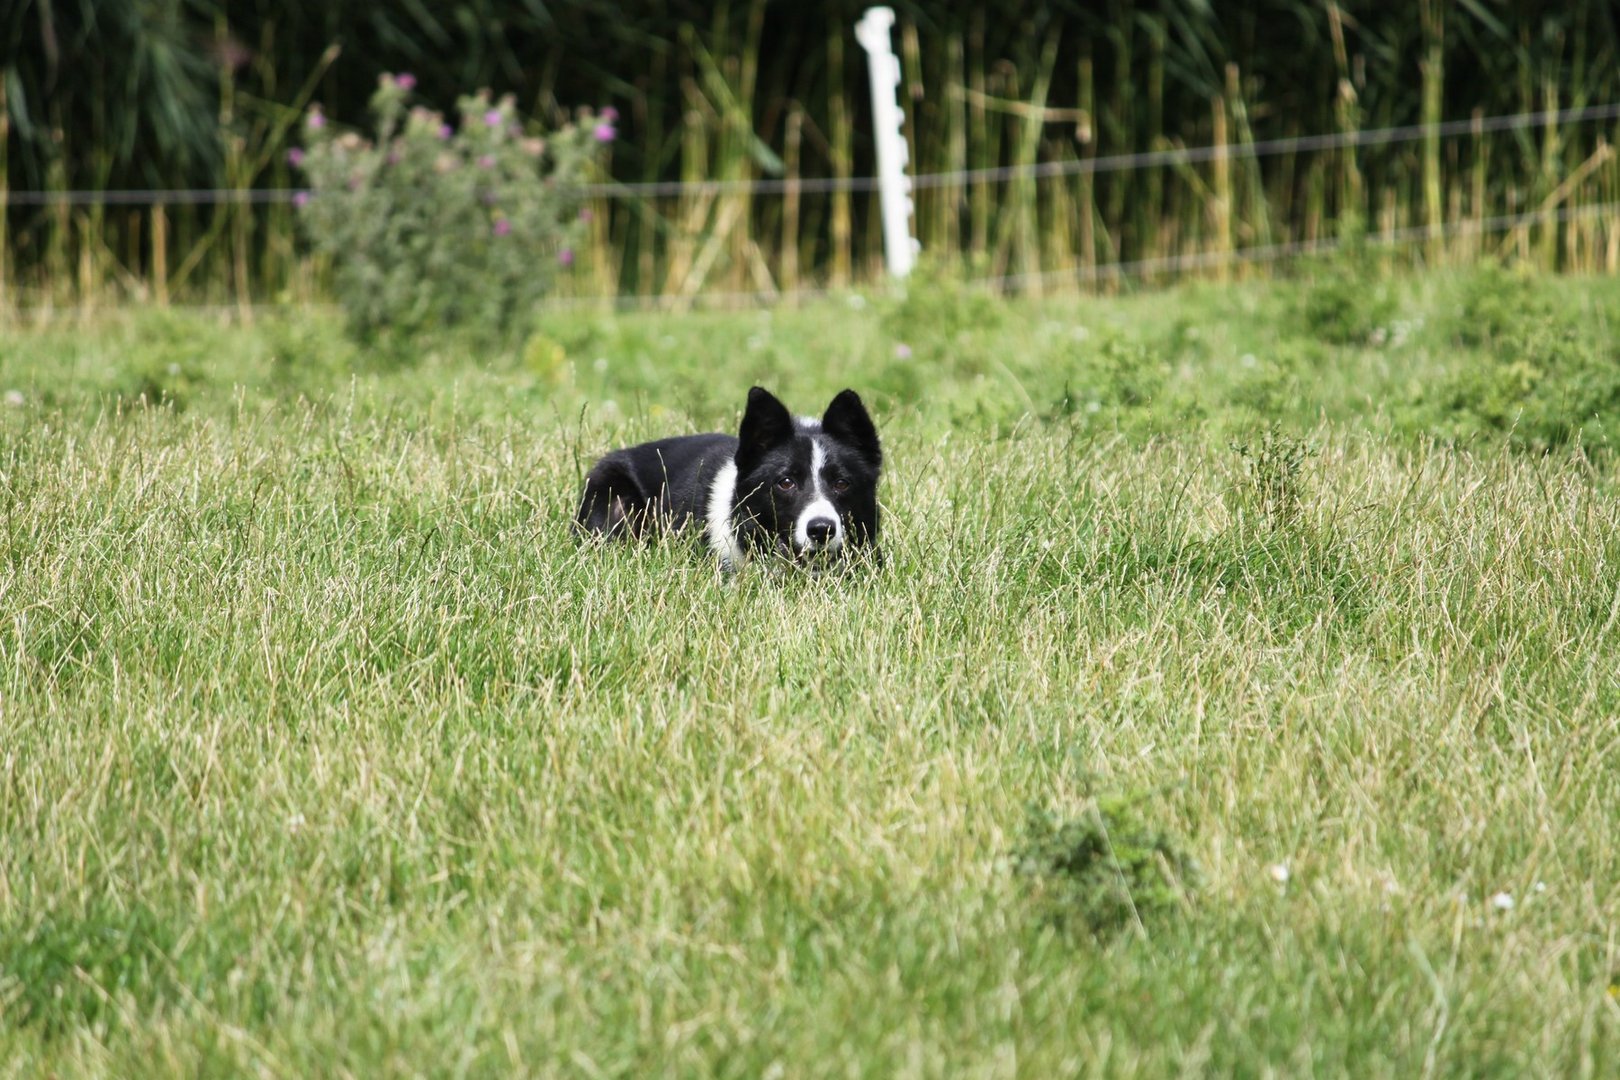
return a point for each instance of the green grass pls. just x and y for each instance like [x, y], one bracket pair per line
[324, 749]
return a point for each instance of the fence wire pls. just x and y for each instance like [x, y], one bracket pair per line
[1168, 156]
[1166, 266]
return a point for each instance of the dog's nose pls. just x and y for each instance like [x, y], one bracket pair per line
[820, 531]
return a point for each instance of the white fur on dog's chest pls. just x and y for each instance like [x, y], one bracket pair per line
[722, 532]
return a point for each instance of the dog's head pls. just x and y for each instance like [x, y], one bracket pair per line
[806, 489]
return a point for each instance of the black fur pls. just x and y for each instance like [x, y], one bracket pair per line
[662, 484]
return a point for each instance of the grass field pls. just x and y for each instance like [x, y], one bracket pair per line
[1292, 609]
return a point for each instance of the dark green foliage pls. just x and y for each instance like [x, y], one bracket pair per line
[1106, 870]
[1544, 386]
[1348, 301]
[1495, 301]
[131, 89]
[1534, 364]
[1273, 486]
[1115, 383]
[70, 969]
[161, 63]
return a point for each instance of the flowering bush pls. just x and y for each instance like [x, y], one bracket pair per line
[434, 226]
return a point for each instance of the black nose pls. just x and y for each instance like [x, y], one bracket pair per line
[820, 530]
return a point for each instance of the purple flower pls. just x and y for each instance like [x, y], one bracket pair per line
[405, 81]
[445, 131]
[903, 351]
[503, 227]
[604, 133]
[609, 114]
[393, 157]
[565, 257]
[295, 157]
[316, 119]
[493, 118]
[301, 199]
[487, 161]
[585, 214]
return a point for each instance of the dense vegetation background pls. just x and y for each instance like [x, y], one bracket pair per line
[195, 94]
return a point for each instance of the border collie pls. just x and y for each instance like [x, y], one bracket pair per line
[801, 489]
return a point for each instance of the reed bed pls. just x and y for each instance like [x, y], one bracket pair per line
[750, 93]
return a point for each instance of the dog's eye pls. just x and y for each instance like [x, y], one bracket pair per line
[840, 485]
[786, 484]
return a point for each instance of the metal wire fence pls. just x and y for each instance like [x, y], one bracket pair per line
[1147, 159]
[1558, 208]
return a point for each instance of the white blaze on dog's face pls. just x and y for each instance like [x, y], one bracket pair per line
[803, 488]
[817, 526]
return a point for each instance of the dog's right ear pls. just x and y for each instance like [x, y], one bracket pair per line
[766, 424]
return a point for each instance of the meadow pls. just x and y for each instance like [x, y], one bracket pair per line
[1240, 695]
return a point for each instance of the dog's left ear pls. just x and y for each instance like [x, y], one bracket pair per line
[847, 420]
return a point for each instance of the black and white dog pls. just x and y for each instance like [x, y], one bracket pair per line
[803, 489]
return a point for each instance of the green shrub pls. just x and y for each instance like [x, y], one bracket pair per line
[1273, 485]
[431, 227]
[1115, 382]
[71, 968]
[1534, 367]
[1347, 301]
[1543, 386]
[940, 320]
[1495, 302]
[1104, 871]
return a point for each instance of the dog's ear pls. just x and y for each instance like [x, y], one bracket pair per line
[848, 421]
[766, 424]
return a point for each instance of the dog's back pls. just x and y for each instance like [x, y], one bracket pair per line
[659, 484]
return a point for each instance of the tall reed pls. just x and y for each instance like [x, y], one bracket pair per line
[755, 90]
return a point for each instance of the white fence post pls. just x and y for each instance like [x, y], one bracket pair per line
[894, 186]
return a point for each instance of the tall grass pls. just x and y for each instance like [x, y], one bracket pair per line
[324, 747]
